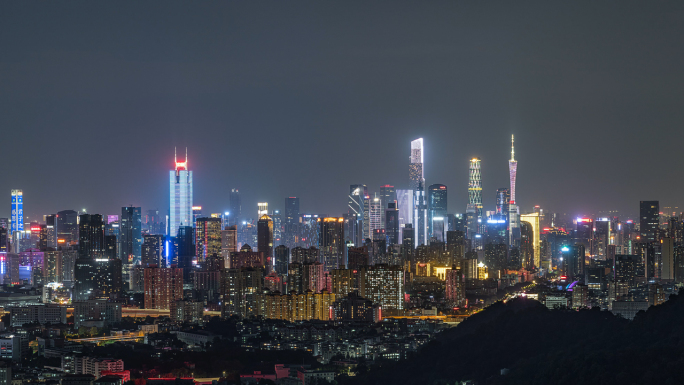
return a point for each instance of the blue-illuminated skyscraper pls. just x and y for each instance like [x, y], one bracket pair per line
[180, 210]
[17, 211]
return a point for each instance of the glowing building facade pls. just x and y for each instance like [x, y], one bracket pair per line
[417, 184]
[474, 208]
[180, 210]
[533, 220]
[416, 174]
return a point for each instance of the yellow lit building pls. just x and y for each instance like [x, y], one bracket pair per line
[440, 271]
[533, 220]
[296, 307]
[482, 271]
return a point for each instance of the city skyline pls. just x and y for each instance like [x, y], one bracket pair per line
[464, 93]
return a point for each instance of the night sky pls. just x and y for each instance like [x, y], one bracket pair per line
[289, 98]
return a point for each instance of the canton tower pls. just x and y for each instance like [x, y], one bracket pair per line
[513, 220]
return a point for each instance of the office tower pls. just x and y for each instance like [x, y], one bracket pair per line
[437, 208]
[584, 232]
[228, 242]
[184, 247]
[304, 255]
[67, 227]
[357, 257]
[196, 214]
[309, 230]
[405, 207]
[4, 240]
[355, 203]
[291, 222]
[384, 285]
[247, 258]
[475, 196]
[416, 172]
[387, 195]
[17, 211]
[51, 225]
[42, 232]
[180, 209]
[277, 228]
[392, 224]
[235, 213]
[91, 243]
[649, 220]
[375, 214]
[601, 239]
[503, 197]
[454, 292]
[262, 209]
[408, 237]
[366, 217]
[110, 244]
[112, 225]
[667, 259]
[281, 259]
[97, 278]
[153, 250]
[535, 242]
[163, 286]
[130, 235]
[207, 238]
[455, 244]
[513, 212]
[306, 276]
[52, 267]
[153, 222]
[331, 242]
[420, 219]
[265, 240]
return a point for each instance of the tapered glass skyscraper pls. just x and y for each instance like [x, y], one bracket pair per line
[416, 174]
[180, 211]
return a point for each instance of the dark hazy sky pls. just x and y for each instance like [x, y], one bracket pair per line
[290, 98]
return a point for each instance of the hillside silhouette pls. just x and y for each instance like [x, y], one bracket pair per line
[542, 346]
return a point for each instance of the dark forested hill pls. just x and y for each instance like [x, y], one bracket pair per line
[540, 346]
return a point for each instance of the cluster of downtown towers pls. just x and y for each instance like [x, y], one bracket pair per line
[409, 217]
[185, 237]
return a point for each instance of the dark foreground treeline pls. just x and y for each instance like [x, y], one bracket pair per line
[540, 346]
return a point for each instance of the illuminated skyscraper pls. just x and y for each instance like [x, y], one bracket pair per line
[416, 173]
[376, 214]
[17, 212]
[513, 213]
[235, 212]
[475, 186]
[437, 210]
[331, 242]
[207, 238]
[67, 227]
[356, 207]
[420, 219]
[265, 239]
[91, 236]
[503, 198]
[648, 220]
[533, 220]
[387, 195]
[180, 210]
[291, 222]
[262, 209]
[130, 235]
[405, 207]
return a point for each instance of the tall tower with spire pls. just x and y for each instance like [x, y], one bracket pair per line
[513, 214]
[180, 207]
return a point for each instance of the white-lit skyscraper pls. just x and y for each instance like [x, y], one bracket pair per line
[416, 173]
[180, 210]
[474, 209]
[417, 184]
